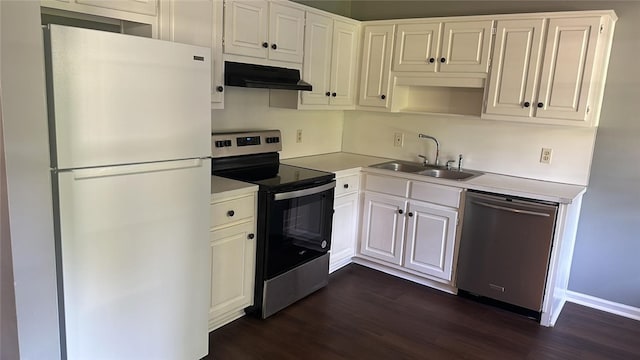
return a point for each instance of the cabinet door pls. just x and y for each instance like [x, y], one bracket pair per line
[286, 33]
[567, 68]
[343, 236]
[343, 63]
[516, 63]
[245, 28]
[196, 22]
[232, 269]
[430, 239]
[376, 63]
[217, 64]
[383, 227]
[317, 59]
[416, 46]
[145, 7]
[465, 46]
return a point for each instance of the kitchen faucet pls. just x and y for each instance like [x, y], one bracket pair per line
[424, 136]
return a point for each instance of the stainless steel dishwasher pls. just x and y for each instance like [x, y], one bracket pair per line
[505, 248]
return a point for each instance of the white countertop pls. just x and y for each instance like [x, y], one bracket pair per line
[334, 162]
[502, 184]
[223, 187]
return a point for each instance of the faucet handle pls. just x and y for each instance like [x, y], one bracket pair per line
[425, 161]
[448, 164]
[459, 162]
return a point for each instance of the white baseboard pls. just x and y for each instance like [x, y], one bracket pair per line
[604, 305]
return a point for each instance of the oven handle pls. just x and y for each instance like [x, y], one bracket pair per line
[304, 192]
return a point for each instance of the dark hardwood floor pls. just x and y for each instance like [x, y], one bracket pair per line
[366, 314]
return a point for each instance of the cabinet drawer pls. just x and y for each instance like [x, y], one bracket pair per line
[226, 212]
[436, 194]
[387, 185]
[347, 184]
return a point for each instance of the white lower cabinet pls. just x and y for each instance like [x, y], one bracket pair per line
[233, 253]
[415, 233]
[431, 231]
[345, 221]
[383, 226]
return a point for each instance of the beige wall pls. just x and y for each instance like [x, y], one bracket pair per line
[340, 7]
[8, 322]
[26, 148]
[499, 147]
[249, 109]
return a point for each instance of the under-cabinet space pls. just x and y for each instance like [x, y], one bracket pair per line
[438, 100]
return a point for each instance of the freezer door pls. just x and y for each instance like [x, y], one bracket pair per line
[134, 245]
[120, 99]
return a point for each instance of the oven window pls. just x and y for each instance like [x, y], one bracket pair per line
[299, 230]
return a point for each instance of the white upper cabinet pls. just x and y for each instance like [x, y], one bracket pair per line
[147, 7]
[417, 47]
[515, 72]
[197, 22]
[330, 53]
[559, 80]
[286, 33]
[567, 69]
[245, 28]
[138, 11]
[376, 66]
[460, 46]
[262, 29]
[465, 46]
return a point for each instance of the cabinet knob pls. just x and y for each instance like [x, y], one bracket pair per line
[527, 104]
[443, 60]
[432, 60]
[251, 236]
[400, 211]
[410, 214]
[540, 105]
[274, 46]
[334, 94]
[327, 93]
[219, 89]
[265, 45]
[346, 186]
[383, 97]
[230, 213]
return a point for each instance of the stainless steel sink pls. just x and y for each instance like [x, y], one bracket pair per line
[400, 166]
[448, 174]
[427, 170]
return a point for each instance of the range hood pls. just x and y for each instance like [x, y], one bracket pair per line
[260, 76]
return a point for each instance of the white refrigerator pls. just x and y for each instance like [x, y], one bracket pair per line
[130, 127]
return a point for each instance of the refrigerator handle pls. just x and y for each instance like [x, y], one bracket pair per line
[80, 174]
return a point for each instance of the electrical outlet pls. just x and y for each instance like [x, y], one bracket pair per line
[545, 155]
[398, 139]
[299, 135]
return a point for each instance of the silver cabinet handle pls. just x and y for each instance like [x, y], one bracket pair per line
[517, 211]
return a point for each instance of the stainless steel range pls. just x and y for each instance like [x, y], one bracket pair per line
[295, 211]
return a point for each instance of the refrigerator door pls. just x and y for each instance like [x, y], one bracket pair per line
[120, 99]
[133, 246]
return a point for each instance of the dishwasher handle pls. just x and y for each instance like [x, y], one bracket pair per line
[504, 208]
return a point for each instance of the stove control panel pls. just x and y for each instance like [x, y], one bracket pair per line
[245, 143]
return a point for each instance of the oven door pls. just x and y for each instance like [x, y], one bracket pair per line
[298, 227]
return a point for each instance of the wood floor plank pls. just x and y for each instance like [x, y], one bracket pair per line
[366, 314]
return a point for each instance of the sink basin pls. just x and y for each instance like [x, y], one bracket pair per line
[400, 166]
[427, 170]
[448, 174]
